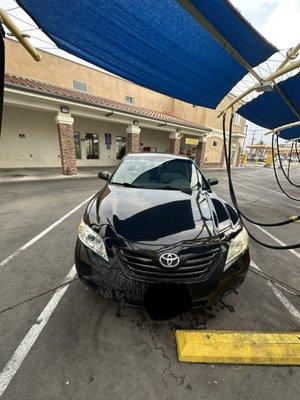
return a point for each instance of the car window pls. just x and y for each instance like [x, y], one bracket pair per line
[156, 172]
[203, 183]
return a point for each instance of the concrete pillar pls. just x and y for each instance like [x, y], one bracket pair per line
[237, 164]
[174, 142]
[66, 143]
[133, 139]
[222, 163]
[200, 152]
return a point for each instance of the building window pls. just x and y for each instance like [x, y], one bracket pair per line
[129, 100]
[77, 145]
[215, 143]
[81, 86]
[120, 147]
[92, 146]
[237, 119]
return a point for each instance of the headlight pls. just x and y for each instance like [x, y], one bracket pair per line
[237, 246]
[92, 240]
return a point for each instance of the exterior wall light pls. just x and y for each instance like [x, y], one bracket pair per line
[64, 110]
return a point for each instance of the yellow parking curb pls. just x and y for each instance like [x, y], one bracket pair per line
[230, 347]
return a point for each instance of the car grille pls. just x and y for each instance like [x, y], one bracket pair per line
[196, 266]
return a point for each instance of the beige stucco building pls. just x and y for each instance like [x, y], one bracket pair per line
[58, 112]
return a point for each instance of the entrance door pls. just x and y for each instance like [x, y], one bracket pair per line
[92, 146]
[120, 147]
[189, 147]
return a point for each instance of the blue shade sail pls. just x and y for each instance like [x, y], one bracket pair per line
[271, 111]
[236, 30]
[157, 44]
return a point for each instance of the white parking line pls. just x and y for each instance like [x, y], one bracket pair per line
[255, 186]
[288, 305]
[43, 233]
[24, 347]
[277, 240]
[295, 253]
[255, 266]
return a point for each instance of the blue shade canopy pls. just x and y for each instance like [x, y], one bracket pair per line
[271, 111]
[236, 30]
[155, 43]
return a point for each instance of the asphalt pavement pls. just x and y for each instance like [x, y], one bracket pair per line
[69, 343]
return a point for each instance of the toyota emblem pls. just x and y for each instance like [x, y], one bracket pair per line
[169, 260]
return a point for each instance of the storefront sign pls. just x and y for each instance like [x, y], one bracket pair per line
[192, 142]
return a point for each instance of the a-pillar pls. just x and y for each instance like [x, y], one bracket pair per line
[66, 143]
[133, 139]
[174, 142]
[200, 152]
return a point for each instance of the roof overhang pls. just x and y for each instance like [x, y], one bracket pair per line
[27, 98]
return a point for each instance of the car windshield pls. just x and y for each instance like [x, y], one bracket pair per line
[156, 173]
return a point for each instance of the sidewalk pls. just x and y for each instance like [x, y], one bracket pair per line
[8, 175]
[47, 174]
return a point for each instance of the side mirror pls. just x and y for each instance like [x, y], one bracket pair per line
[212, 181]
[104, 175]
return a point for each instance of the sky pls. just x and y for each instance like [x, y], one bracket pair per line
[277, 20]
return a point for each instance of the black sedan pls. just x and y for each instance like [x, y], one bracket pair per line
[157, 231]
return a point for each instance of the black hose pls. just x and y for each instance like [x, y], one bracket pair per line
[296, 148]
[232, 193]
[281, 166]
[289, 221]
[275, 172]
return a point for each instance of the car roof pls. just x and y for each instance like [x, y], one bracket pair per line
[155, 154]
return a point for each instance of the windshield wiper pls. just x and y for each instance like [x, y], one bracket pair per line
[184, 190]
[126, 184]
[168, 188]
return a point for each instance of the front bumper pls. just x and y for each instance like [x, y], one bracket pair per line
[111, 281]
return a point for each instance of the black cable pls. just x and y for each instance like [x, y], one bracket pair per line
[232, 193]
[281, 166]
[281, 223]
[296, 148]
[275, 172]
[38, 295]
[278, 282]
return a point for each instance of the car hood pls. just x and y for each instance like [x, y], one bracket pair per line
[157, 216]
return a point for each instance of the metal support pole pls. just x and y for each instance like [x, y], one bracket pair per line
[268, 79]
[283, 127]
[22, 38]
[189, 6]
[291, 54]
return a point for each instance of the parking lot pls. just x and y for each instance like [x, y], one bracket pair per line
[70, 343]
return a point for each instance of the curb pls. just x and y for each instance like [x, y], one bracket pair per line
[31, 179]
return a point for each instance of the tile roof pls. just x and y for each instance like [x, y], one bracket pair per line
[46, 88]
